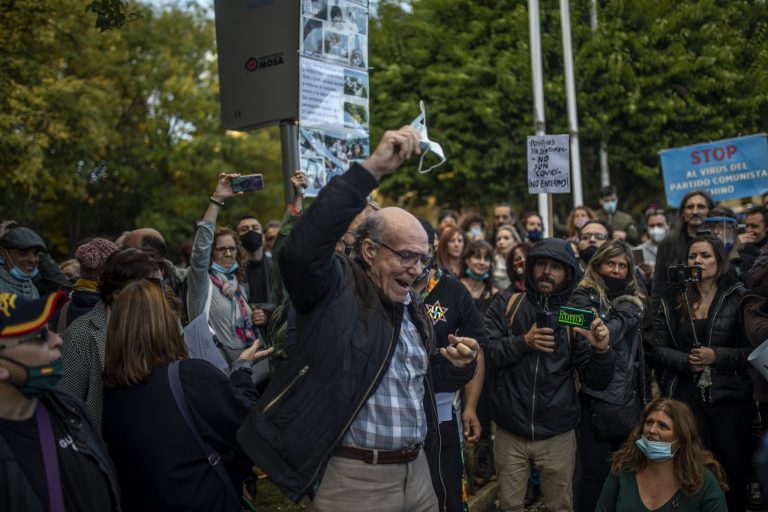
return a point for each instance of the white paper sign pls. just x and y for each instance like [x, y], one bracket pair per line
[549, 169]
[322, 93]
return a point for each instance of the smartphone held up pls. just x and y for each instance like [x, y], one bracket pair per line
[249, 183]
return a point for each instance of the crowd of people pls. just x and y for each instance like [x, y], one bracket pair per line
[353, 352]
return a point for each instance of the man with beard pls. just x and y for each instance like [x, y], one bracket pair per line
[592, 236]
[694, 208]
[535, 359]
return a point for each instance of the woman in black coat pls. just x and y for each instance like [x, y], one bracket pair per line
[610, 288]
[703, 350]
[160, 463]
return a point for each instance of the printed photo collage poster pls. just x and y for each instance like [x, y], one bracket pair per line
[334, 115]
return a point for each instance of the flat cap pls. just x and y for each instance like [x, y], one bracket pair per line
[21, 238]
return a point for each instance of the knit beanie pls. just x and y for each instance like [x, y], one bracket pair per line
[92, 256]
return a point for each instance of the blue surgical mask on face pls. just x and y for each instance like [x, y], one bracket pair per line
[658, 451]
[610, 207]
[535, 235]
[20, 274]
[218, 268]
[24, 276]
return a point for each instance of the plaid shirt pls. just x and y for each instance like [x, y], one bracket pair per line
[394, 417]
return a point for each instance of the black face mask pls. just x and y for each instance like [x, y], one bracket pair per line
[251, 241]
[586, 254]
[615, 284]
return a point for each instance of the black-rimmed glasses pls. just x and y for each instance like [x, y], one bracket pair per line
[407, 258]
[596, 236]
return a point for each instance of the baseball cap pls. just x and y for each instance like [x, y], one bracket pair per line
[19, 316]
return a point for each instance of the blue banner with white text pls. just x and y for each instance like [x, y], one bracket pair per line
[727, 169]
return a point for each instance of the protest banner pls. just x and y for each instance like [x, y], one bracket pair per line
[726, 169]
[549, 164]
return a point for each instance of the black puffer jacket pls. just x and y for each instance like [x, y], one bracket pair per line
[346, 335]
[624, 319]
[725, 334]
[534, 393]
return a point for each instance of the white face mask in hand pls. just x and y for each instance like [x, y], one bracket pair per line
[420, 125]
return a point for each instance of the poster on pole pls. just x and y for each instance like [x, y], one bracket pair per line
[726, 169]
[334, 90]
[549, 164]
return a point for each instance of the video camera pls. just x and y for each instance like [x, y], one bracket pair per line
[682, 274]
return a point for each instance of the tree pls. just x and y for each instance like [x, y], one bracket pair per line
[656, 74]
[107, 131]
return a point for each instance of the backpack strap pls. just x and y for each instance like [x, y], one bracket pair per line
[211, 455]
[513, 304]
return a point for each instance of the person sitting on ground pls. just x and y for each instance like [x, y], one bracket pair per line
[663, 466]
[50, 457]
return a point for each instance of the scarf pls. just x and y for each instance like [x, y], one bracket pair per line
[231, 289]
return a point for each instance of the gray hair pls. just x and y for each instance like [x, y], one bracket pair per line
[373, 228]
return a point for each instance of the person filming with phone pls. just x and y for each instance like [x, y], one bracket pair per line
[702, 347]
[534, 394]
[215, 279]
[610, 288]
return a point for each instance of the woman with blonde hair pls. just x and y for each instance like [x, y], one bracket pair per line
[610, 289]
[663, 466]
[158, 405]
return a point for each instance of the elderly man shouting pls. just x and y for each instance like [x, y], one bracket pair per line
[350, 419]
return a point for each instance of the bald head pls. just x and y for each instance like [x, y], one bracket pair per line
[400, 225]
[392, 245]
[133, 238]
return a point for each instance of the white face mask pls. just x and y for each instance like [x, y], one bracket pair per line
[657, 234]
[420, 125]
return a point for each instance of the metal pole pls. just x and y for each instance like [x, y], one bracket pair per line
[605, 178]
[289, 144]
[605, 173]
[538, 97]
[570, 90]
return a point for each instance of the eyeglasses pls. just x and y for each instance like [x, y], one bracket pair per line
[409, 259]
[40, 336]
[596, 236]
[225, 250]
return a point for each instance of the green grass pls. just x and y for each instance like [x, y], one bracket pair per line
[270, 499]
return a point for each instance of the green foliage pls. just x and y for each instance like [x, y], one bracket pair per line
[102, 132]
[656, 74]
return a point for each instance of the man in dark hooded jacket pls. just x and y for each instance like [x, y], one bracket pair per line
[535, 369]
